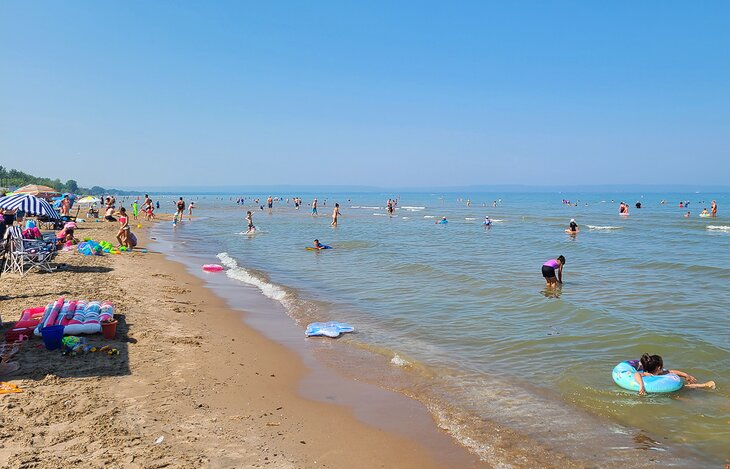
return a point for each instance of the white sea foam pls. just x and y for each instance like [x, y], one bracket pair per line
[372, 208]
[470, 219]
[406, 218]
[592, 227]
[355, 206]
[412, 209]
[718, 227]
[242, 275]
[398, 361]
[380, 214]
[429, 216]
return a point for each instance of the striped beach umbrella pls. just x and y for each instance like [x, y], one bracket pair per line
[30, 204]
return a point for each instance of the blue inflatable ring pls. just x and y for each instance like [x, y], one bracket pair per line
[623, 375]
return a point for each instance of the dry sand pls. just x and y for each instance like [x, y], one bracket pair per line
[191, 387]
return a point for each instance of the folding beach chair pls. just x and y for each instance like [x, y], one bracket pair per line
[24, 254]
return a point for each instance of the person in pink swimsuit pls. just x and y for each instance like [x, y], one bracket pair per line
[551, 268]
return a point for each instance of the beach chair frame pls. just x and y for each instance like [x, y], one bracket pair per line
[25, 254]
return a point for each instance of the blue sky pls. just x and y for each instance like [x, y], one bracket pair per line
[385, 93]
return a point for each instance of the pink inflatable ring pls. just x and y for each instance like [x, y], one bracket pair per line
[212, 268]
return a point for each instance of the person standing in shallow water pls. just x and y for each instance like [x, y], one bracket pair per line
[180, 209]
[335, 214]
[314, 207]
[552, 271]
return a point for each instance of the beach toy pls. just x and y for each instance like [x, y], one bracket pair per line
[87, 317]
[73, 345]
[139, 225]
[623, 375]
[109, 329]
[327, 329]
[29, 320]
[212, 268]
[52, 337]
[50, 316]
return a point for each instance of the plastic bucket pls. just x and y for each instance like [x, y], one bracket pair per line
[109, 329]
[52, 337]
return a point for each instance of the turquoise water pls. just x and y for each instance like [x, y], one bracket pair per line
[463, 309]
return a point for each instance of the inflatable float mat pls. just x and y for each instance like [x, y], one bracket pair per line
[327, 329]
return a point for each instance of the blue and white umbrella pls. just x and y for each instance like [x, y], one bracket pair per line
[30, 204]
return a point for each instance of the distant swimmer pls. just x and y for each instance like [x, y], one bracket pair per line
[314, 207]
[318, 246]
[468, 202]
[713, 208]
[686, 215]
[249, 219]
[623, 209]
[270, 203]
[443, 221]
[704, 212]
[190, 210]
[638, 204]
[335, 214]
[551, 268]
[389, 207]
[487, 221]
[573, 228]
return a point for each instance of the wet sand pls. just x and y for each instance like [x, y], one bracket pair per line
[193, 386]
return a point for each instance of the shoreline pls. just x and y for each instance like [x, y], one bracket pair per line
[215, 390]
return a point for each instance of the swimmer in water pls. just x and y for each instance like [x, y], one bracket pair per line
[653, 365]
[249, 219]
[487, 221]
[443, 221]
[550, 269]
[713, 209]
[704, 213]
[318, 245]
[686, 215]
[573, 228]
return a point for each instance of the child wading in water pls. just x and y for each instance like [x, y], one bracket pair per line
[249, 219]
[653, 365]
[550, 269]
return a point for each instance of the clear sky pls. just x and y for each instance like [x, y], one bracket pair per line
[165, 93]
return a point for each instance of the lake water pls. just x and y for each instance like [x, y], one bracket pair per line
[458, 316]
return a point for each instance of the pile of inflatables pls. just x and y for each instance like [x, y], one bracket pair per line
[76, 317]
[89, 247]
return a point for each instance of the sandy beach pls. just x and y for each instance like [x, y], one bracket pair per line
[192, 386]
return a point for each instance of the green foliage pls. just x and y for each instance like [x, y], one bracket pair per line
[12, 178]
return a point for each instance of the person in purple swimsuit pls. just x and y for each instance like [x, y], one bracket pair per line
[551, 268]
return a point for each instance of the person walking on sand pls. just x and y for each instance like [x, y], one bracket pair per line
[190, 210]
[180, 209]
[314, 207]
[335, 214]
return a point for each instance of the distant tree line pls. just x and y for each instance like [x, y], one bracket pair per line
[14, 178]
